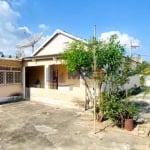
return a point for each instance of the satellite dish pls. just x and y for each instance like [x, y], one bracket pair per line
[31, 41]
[1, 53]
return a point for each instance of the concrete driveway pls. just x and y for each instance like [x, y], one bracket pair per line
[35, 126]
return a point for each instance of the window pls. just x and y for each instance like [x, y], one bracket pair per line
[17, 77]
[10, 75]
[2, 78]
[73, 75]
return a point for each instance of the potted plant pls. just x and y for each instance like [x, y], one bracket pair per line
[121, 112]
[37, 83]
[130, 111]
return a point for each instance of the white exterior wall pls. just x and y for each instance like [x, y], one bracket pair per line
[56, 97]
[147, 80]
[56, 46]
[133, 80]
[9, 90]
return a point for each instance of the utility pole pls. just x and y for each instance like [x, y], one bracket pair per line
[94, 59]
[132, 45]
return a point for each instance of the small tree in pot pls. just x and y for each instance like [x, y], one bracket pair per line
[131, 110]
[121, 112]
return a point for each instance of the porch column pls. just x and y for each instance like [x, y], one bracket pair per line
[24, 81]
[46, 76]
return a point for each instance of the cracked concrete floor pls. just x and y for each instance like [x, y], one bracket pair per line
[30, 125]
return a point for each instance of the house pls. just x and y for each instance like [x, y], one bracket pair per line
[45, 78]
[10, 77]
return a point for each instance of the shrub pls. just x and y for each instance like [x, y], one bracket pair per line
[118, 110]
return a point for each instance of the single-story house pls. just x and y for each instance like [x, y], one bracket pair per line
[46, 78]
[43, 75]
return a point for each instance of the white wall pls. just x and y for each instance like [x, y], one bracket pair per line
[147, 80]
[9, 90]
[132, 81]
[56, 46]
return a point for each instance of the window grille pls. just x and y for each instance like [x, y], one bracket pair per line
[2, 78]
[10, 75]
[17, 77]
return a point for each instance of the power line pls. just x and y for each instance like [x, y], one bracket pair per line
[142, 55]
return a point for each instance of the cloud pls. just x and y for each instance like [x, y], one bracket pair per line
[15, 3]
[124, 38]
[7, 13]
[43, 26]
[10, 33]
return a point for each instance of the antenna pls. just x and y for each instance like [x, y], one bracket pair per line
[1, 53]
[133, 45]
[31, 41]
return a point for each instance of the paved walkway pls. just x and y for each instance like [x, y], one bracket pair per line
[35, 126]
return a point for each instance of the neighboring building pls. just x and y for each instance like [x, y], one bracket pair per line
[10, 77]
[147, 80]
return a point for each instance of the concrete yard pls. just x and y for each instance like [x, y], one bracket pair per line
[30, 125]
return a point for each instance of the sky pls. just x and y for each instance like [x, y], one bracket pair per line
[129, 19]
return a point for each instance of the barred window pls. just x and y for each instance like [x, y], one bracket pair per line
[16, 69]
[2, 78]
[17, 77]
[9, 77]
[73, 75]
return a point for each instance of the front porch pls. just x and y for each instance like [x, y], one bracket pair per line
[51, 77]
[47, 81]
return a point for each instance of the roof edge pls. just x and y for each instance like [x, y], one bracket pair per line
[58, 31]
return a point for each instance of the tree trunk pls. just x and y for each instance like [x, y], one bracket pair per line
[101, 113]
[87, 87]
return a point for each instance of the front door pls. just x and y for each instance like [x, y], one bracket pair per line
[55, 78]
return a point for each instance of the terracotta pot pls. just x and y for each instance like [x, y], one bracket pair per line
[128, 124]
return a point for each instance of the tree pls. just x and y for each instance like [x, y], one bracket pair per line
[143, 68]
[78, 58]
[110, 59]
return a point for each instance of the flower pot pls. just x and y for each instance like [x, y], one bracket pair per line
[128, 124]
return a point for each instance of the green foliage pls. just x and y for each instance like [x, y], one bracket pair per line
[111, 107]
[146, 91]
[130, 110]
[116, 68]
[109, 54]
[142, 80]
[143, 68]
[110, 57]
[77, 57]
[118, 110]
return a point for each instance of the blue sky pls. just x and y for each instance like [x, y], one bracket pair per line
[130, 19]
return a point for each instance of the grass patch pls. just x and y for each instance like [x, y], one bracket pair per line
[147, 91]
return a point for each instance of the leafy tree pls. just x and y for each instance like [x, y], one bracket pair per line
[78, 58]
[143, 68]
[110, 62]
[109, 58]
